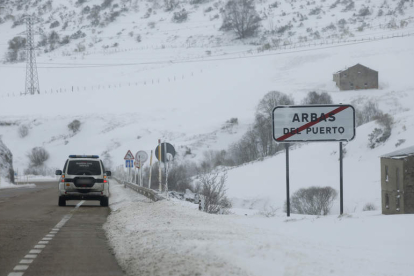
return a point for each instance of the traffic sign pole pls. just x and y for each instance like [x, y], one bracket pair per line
[341, 180]
[311, 123]
[287, 181]
[149, 181]
[140, 171]
[159, 166]
[166, 169]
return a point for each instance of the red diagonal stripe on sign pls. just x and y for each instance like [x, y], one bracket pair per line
[333, 112]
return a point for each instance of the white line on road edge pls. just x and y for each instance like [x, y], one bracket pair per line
[28, 259]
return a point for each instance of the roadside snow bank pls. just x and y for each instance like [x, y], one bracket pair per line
[5, 184]
[173, 238]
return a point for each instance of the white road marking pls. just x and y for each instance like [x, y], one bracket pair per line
[67, 217]
[21, 267]
[63, 221]
[28, 259]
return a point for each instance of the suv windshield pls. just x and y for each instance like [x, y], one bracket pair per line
[84, 167]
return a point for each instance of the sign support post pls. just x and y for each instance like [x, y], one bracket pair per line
[312, 123]
[149, 181]
[140, 171]
[159, 165]
[166, 168]
[341, 180]
[287, 181]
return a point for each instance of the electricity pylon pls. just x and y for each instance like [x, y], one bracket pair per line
[32, 80]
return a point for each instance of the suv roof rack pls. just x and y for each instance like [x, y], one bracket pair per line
[83, 156]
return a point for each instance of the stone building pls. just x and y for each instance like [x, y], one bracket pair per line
[356, 77]
[397, 182]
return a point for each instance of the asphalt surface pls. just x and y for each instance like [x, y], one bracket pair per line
[37, 237]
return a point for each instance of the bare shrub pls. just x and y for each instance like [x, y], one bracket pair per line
[246, 149]
[263, 120]
[400, 142]
[106, 4]
[107, 160]
[316, 98]
[179, 177]
[368, 113]
[364, 11]
[233, 121]
[77, 35]
[39, 170]
[313, 200]
[180, 16]
[54, 24]
[315, 11]
[270, 101]
[53, 39]
[16, 49]
[79, 2]
[330, 27]
[37, 156]
[170, 4]
[112, 16]
[213, 159]
[214, 192]
[385, 121]
[241, 16]
[349, 5]
[74, 126]
[369, 207]
[23, 131]
[342, 23]
[373, 137]
[269, 212]
[197, 2]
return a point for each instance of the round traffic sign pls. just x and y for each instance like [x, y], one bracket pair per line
[141, 156]
[170, 152]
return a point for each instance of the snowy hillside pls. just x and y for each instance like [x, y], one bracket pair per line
[183, 81]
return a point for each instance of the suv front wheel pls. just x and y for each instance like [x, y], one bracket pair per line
[104, 202]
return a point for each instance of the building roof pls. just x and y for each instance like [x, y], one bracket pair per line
[400, 153]
[340, 71]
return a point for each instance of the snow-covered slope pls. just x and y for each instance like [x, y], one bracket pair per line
[173, 237]
[127, 97]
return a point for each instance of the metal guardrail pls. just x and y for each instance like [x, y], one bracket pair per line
[151, 194]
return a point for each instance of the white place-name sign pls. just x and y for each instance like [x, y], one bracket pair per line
[306, 123]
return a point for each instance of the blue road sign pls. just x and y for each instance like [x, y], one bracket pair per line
[129, 163]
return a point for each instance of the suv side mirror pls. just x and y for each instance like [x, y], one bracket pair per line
[108, 173]
[58, 172]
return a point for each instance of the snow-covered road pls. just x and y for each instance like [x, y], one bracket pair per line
[174, 238]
